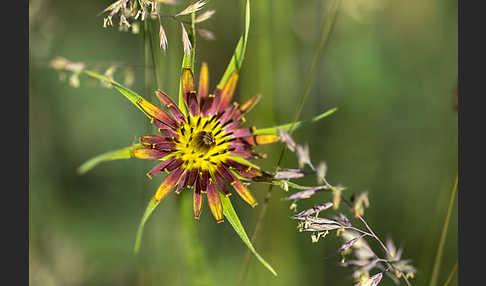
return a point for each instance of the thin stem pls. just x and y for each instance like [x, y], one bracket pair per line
[358, 230]
[193, 38]
[157, 83]
[194, 253]
[367, 227]
[438, 257]
[173, 17]
[374, 235]
[379, 241]
[148, 58]
[384, 247]
[99, 63]
[451, 275]
[327, 22]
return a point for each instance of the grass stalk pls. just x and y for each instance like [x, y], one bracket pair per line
[148, 60]
[194, 252]
[144, 274]
[451, 274]
[438, 257]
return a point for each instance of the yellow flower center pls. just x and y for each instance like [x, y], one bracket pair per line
[202, 143]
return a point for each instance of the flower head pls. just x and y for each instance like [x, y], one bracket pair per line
[205, 149]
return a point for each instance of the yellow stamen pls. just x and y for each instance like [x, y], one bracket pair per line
[202, 144]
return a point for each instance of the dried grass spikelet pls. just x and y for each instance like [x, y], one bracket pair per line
[204, 16]
[185, 41]
[192, 8]
[163, 38]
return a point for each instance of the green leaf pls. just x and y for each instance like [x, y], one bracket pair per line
[239, 54]
[148, 211]
[125, 91]
[286, 127]
[123, 153]
[230, 214]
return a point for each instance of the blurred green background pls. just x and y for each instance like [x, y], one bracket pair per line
[389, 66]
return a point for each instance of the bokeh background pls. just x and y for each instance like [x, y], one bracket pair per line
[389, 66]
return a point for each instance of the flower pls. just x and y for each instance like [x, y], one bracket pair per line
[203, 149]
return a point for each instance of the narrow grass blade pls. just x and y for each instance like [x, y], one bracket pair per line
[438, 258]
[123, 153]
[239, 54]
[451, 275]
[325, 114]
[230, 214]
[286, 127]
[125, 91]
[148, 211]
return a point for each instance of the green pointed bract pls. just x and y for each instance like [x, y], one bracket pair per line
[286, 127]
[124, 153]
[230, 214]
[188, 62]
[148, 211]
[239, 54]
[125, 91]
[244, 161]
[324, 114]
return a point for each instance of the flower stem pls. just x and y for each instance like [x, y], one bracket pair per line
[193, 38]
[327, 22]
[438, 257]
[194, 251]
[374, 235]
